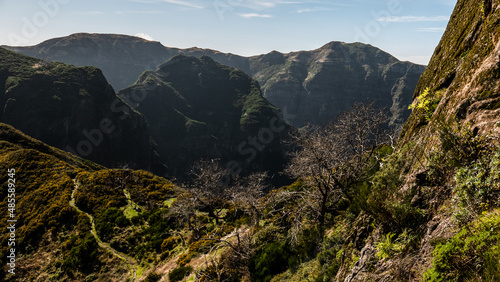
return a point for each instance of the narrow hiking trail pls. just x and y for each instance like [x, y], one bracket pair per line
[131, 262]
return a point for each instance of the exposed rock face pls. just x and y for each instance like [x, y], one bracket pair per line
[316, 86]
[465, 68]
[308, 86]
[463, 78]
[198, 109]
[74, 109]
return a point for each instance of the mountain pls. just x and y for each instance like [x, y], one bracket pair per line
[121, 58]
[72, 108]
[436, 205]
[463, 74]
[197, 108]
[424, 209]
[316, 86]
[308, 86]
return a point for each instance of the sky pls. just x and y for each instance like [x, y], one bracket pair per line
[408, 29]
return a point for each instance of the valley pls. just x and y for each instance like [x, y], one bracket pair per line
[139, 162]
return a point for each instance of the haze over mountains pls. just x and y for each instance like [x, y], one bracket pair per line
[308, 86]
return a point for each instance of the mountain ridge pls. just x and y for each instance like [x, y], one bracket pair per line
[188, 99]
[305, 85]
[72, 108]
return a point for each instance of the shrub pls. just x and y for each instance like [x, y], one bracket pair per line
[461, 144]
[169, 244]
[153, 277]
[427, 103]
[270, 260]
[387, 247]
[107, 220]
[80, 253]
[179, 273]
[477, 187]
[471, 255]
[331, 256]
[184, 258]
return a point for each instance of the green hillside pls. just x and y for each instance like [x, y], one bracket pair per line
[199, 109]
[73, 109]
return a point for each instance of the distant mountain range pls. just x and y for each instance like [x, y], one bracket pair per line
[308, 86]
[189, 109]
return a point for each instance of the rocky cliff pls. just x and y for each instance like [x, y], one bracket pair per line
[199, 109]
[74, 109]
[308, 86]
[463, 74]
[447, 166]
[316, 86]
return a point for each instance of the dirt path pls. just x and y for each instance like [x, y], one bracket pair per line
[131, 263]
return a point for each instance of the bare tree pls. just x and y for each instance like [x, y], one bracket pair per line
[211, 188]
[248, 193]
[334, 157]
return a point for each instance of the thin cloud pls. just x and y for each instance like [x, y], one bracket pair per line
[137, 12]
[144, 36]
[430, 29]
[261, 5]
[254, 15]
[411, 19]
[183, 3]
[310, 10]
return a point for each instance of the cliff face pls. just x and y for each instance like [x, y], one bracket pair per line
[463, 74]
[449, 171]
[316, 86]
[308, 86]
[199, 109]
[74, 109]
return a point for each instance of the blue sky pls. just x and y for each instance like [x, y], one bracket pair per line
[408, 29]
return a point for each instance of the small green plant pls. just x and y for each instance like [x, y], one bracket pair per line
[461, 145]
[427, 102]
[387, 247]
[477, 188]
[270, 260]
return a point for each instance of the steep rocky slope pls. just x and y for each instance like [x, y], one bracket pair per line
[308, 86]
[316, 86]
[74, 109]
[445, 168]
[197, 108]
[463, 74]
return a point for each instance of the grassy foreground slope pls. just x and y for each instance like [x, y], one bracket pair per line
[53, 240]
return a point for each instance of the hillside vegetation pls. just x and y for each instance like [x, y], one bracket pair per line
[363, 207]
[200, 109]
